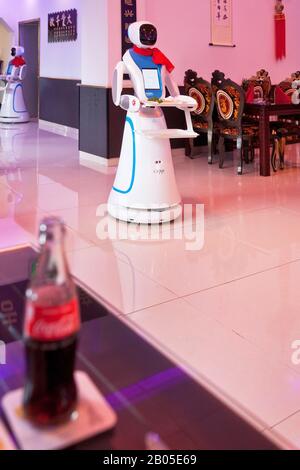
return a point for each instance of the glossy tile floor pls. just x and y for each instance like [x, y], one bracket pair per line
[227, 308]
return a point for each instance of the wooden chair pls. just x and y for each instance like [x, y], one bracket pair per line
[295, 75]
[202, 118]
[262, 85]
[286, 87]
[278, 151]
[217, 80]
[230, 99]
[263, 91]
[287, 127]
[287, 84]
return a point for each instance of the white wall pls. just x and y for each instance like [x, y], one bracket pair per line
[94, 44]
[101, 47]
[58, 60]
[94, 55]
[184, 35]
[6, 37]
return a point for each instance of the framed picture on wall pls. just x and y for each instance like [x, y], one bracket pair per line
[221, 23]
[62, 26]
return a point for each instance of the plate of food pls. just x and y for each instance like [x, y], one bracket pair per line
[156, 102]
[180, 101]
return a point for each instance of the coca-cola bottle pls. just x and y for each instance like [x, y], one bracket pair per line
[52, 324]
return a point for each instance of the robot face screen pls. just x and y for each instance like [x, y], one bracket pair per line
[148, 35]
[13, 52]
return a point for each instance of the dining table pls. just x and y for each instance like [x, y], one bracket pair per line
[265, 112]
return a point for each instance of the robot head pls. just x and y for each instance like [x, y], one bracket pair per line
[142, 34]
[17, 51]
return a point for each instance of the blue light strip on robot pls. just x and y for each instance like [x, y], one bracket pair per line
[130, 122]
[18, 86]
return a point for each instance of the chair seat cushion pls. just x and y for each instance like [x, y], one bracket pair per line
[249, 131]
[202, 126]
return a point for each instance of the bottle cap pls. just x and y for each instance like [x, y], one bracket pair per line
[51, 229]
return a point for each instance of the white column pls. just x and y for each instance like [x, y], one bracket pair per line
[101, 45]
[94, 42]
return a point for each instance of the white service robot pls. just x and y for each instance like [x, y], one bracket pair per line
[13, 109]
[145, 189]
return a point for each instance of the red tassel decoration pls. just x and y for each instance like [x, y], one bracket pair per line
[280, 31]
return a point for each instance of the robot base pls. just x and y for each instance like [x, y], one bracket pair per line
[15, 120]
[13, 109]
[145, 216]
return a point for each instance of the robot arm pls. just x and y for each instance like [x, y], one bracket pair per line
[16, 73]
[3, 87]
[118, 83]
[172, 85]
[6, 79]
[126, 102]
[187, 103]
[22, 72]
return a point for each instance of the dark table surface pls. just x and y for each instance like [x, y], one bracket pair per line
[148, 392]
[264, 112]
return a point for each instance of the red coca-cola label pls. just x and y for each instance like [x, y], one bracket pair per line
[52, 323]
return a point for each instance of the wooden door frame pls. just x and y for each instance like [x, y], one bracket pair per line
[38, 22]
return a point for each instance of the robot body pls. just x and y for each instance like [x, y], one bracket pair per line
[145, 189]
[145, 180]
[13, 109]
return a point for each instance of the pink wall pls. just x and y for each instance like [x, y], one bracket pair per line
[184, 35]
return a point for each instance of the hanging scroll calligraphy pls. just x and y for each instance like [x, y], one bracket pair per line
[129, 15]
[221, 23]
[62, 26]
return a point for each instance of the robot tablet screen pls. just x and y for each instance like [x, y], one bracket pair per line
[151, 79]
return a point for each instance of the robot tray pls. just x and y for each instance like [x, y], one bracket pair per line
[169, 134]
